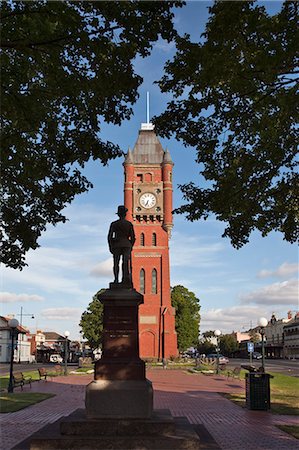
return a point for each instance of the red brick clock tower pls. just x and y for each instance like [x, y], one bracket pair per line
[148, 198]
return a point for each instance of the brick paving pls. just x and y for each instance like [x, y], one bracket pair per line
[192, 395]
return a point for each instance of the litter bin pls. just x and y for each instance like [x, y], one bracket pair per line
[258, 390]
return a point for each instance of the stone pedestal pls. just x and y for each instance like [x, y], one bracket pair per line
[119, 402]
[120, 389]
[160, 432]
[119, 399]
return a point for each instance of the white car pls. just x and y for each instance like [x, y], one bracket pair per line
[222, 359]
[56, 359]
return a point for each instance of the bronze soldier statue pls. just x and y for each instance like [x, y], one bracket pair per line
[121, 238]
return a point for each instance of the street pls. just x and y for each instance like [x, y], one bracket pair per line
[284, 366]
[25, 367]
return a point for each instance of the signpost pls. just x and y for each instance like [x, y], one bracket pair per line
[250, 349]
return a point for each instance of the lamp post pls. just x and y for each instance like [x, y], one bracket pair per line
[262, 323]
[21, 323]
[217, 333]
[66, 335]
[13, 324]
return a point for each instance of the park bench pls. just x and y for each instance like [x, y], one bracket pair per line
[20, 380]
[42, 371]
[235, 373]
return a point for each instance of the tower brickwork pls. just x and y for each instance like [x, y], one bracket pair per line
[148, 198]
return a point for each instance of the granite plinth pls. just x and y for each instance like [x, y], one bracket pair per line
[160, 432]
[119, 369]
[160, 422]
[120, 329]
[119, 399]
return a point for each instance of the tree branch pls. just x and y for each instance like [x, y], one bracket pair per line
[31, 45]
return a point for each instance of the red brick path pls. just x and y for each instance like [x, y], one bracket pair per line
[192, 395]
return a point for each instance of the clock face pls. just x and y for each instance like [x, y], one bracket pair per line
[148, 200]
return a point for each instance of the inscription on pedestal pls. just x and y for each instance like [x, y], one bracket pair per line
[120, 360]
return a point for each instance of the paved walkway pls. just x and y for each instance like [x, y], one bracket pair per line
[192, 395]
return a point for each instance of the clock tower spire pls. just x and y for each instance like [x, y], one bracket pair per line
[148, 198]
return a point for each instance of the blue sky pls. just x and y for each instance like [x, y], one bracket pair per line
[235, 287]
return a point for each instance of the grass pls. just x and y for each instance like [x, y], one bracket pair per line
[14, 402]
[84, 369]
[283, 395]
[4, 379]
[293, 430]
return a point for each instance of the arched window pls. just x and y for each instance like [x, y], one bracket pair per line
[142, 239]
[154, 239]
[142, 281]
[154, 281]
[148, 177]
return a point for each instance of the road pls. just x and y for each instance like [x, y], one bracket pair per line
[284, 366]
[4, 368]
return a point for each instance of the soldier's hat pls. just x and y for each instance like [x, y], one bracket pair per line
[121, 210]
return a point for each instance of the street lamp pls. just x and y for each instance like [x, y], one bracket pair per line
[262, 323]
[13, 324]
[66, 335]
[217, 333]
[21, 337]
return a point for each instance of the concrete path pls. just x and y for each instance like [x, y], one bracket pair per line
[192, 395]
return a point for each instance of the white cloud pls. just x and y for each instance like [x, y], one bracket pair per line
[283, 293]
[165, 46]
[44, 280]
[10, 297]
[84, 220]
[61, 313]
[189, 251]
[233, 318]
[285, 270]
[103, 269]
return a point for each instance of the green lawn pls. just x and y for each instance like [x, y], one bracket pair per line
[284, 395]
[84, 369]
[4, 379]
[16, 401]
[293, 430]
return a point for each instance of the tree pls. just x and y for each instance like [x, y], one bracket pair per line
[92, 322]
[228, 344]
[187, 316]
[67, 67]
[254, 335]
[205, 347]
[235, 96]
[208, 334]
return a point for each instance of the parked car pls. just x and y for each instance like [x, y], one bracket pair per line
[56, 359]
[222, 359]
[256, 355]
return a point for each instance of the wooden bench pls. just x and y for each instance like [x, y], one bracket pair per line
[42, 373]
[235, 373]
[20, 380]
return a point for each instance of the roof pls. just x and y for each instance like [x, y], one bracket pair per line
[53, 336]
[293, 322]
[148, 149]
[7, 327]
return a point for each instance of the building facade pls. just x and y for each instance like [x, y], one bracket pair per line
[291, 338]
[22, 346]
[274, 337]
[148, 198]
